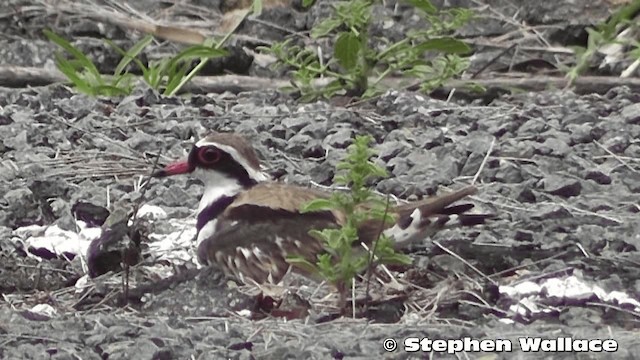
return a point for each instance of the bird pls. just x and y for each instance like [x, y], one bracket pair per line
[249, 224]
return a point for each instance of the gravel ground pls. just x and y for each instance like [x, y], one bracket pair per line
[551, 178]
[561, 172]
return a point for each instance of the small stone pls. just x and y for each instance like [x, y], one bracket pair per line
[616, 144]
[580, 133]
[322, 173]
[296, 123]
[631, 114]
[509, 174]
[314, 151]
[175, 196]
[472, 164]
[390, 149]
[554, 147]
[598, 176]
[533, 127]
[16, 141]
[306, 146]
[317, 130]
[20, 208]
[632, 181]
[562, 186]
[582, 118]
[298, 143]
[524, 194]
[142, 141]
[279, 131]
[341, 139]
[550, 212]
[5, 120]
[632, 150]
[523, 235]
[398, 166]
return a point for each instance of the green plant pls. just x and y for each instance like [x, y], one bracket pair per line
[167, 75]
[85, 75]
[343, 258]
[355, 60]
[602, 34]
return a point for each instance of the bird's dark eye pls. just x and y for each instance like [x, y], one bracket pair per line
[209, 155]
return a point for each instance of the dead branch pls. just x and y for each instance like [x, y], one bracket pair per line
[15, 77]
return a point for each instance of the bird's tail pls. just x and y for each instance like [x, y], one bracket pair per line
[419, 220]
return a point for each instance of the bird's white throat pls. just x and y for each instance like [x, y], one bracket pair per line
[216, 186]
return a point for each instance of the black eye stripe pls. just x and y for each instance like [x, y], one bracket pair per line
[213, 158]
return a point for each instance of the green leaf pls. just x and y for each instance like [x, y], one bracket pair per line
[175, 77]
[325, 27]
[257, 8]
[302, 263]
[77, 54]
[70, 72]
[110, 90]
[131, 54]
[445, 44]
[318, 205]
[424, 5]
[307, 3]
[347, 50]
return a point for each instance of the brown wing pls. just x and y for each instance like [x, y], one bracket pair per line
[264, 226]
[277, 197]
[259, 250]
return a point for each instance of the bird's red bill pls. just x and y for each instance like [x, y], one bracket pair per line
[175, 168]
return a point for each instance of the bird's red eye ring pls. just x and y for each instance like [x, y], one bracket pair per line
[209, 155]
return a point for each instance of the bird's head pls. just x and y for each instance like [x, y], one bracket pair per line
[225, 162]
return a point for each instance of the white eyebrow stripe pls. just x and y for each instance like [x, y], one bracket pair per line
[254, 174]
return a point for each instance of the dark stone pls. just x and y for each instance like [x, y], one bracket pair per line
[598, 176]
[525, 195]
[551, 212]
[5, 120]
[562, 186]
[163, 354]
[322, 173]
[118, 244]
[523, 235]
[314, 151]
[93, 215]
[279, 131]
